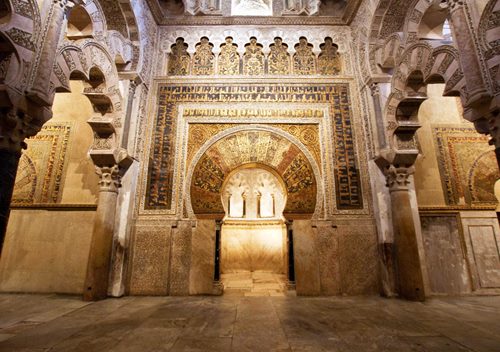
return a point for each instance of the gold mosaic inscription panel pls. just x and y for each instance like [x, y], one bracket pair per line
[160, 179]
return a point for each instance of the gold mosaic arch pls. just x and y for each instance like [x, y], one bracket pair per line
[253, 146]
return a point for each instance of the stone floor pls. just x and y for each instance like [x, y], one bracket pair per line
[237, 323]
[254, 284]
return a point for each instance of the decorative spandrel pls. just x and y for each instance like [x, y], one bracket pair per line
[304, 60]
[329, 62]
[179, 59]
[279, 59]
[204, 58]
[253, 59]
[229, 59]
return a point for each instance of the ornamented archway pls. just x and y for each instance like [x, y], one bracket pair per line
[236, 147]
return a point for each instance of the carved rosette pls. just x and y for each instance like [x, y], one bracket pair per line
[397, 177]
[109, 178]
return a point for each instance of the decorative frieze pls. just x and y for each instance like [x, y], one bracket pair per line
[255, 59]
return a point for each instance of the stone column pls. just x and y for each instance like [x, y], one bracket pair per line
[477, 89]
[408, 263]
[96, 281]
[39, 89]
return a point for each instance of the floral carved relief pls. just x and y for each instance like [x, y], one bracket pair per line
[253, 59]
[204, 58]
[179, 59]
[304, 60]
[229, 59]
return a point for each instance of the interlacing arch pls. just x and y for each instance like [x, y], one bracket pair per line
[434, 65]
[20, 26]
[490, 45]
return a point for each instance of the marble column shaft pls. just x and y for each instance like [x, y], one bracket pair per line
[410, 275]
[97, 278]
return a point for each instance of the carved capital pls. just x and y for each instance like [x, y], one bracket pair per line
[15, 127]
[375, 89]
[494, 127]
[454, 4]
[66, 4]
[109, 178]
[398, 177]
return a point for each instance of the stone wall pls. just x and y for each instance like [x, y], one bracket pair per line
[48, 254]
[334, 257]
[48, 237]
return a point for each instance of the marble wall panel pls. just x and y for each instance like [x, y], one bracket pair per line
[201, 275]
[445, 255]
[150, 261]
[328, 256]
[358, 257]
[306, 260]
[482, 239]
[181, 259]
[252, 246]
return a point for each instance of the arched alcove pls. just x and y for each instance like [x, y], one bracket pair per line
[276, 152]
[253, 233]
[259, 164]
[253, 192]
